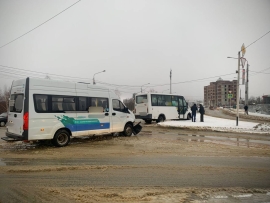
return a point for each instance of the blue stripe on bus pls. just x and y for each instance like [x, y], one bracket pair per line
[92, 126]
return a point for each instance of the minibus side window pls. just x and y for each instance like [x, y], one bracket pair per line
[118, 105]
[57, 104]
[175, 101]
[100, 102]
[154, 99]
[16, 103]
[41, 103]
[82, 104]
[63, 103]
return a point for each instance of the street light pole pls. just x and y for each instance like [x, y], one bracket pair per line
[170, 81]
[237, 94]
[246, 87]
[230, 98]
[94, 82]
[143, 85]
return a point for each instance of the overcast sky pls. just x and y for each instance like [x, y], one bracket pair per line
[136, 42]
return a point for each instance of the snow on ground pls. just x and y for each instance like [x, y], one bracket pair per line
[219, 124]
[258, 114]
[250, 113]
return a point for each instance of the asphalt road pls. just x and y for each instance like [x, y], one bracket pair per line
[155, 158]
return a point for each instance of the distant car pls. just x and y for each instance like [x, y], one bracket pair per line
[3, 119]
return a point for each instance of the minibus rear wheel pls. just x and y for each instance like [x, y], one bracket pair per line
[161, 119]
[128, 129]
[61, 138]
[148, 121]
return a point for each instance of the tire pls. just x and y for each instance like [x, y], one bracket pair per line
[148, 121]
[61, 138]
[2, 123]
[161, 119]
[128, 130]
[188, 117]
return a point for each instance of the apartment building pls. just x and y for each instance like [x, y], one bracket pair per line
[216, 94]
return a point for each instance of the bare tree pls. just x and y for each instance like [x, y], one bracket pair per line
[252, 100]
[4, 99]
[258, 100]
[129, 103]
[117, 92]
[152, 90]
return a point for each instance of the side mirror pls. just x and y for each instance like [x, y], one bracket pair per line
[126, 110]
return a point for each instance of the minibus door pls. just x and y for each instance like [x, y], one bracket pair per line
[119, 116]
[180, 107]
[185, 107]
[15, 115]
[98, 116]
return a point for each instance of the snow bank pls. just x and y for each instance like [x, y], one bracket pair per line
[254, 116]
[219, 124]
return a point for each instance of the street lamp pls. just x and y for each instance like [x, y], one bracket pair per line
[246, 83]
[94, 82]
[237, 93]
[247, 79]
[143, 85]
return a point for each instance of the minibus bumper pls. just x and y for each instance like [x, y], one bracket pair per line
[147, 117]
[13, 137]
[137, 128]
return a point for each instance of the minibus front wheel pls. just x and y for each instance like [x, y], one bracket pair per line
[128, 129]
[61, 138]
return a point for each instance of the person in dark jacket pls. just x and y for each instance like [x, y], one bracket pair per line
[246, 109]
[194, 109]
[202, 112]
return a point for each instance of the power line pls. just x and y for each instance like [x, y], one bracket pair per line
[262, 71]
[12, 71]
[158, 85]
[20, 69]
[258, 39]
[40, 24]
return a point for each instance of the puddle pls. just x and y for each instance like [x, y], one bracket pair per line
[2, 163]
[223, 140]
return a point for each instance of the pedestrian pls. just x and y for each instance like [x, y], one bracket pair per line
[194, 109]
[246, 109]
[202, 112]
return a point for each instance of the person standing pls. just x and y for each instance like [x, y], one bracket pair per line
[202, 112]
[194, 109]
[246, 109]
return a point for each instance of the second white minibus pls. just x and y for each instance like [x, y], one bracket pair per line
[42, 109]
[160, 107]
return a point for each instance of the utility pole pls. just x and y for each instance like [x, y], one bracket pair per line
[246, 87]
[171, 81]
[237, 97]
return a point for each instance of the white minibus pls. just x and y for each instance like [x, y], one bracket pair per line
[43, 109]
[160, 107]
